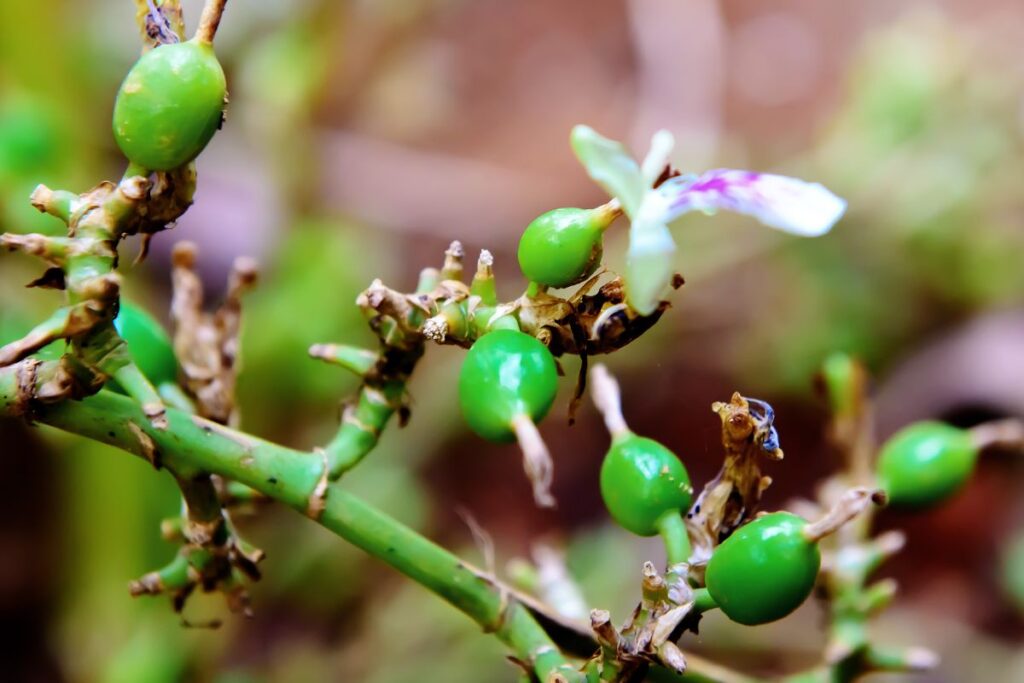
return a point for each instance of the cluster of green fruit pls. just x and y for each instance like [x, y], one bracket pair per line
[768, 567]
[167, 110]
[508, 374]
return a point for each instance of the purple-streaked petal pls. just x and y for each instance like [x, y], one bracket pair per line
[788, 204]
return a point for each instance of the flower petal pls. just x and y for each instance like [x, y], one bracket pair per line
[662, 144]
[649, 265]
[788, 204]
[610, 165]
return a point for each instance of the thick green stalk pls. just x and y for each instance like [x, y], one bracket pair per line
[86, 260]
[676, 538]
[702, 601]
[362, 425]
[298, 479]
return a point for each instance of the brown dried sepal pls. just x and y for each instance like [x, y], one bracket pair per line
[47, 382]
[52, 278]
[166, 197]
[587, 324]
[222, 569]
[206, 344]
[733, 496]
[649, 637]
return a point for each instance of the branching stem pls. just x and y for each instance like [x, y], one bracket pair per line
[291, 477]
[852, 503]
[677, 540]
[210, 20]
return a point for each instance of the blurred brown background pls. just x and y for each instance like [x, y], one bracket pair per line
[363, 136]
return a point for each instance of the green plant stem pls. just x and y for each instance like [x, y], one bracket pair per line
[295, 478]
[174, 575]
[133, 169]
[173, 395]
[677, 540]
[702, 601]
[96, 222]
[136, 385]
[362, 425]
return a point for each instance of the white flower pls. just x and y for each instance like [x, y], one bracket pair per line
[787, 204]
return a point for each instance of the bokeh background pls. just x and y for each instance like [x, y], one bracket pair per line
[363, 136]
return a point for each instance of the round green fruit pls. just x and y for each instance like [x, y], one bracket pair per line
[925, 463]
[506, 374]
[170, 105]
[765, 570]
[563, 246]
[148, 344]
[641, 482]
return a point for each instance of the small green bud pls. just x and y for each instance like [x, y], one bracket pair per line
[564, 246]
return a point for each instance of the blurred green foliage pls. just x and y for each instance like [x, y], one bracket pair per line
[307, 297]
[1013, 570]
[926, 147]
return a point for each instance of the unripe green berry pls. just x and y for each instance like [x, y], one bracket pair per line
[926, 463]
[506, 374]
[641, 482]
[765, 570]
[148, 344]
[564, 246]
[170, 105]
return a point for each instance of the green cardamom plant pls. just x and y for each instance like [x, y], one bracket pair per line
[103, 368]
